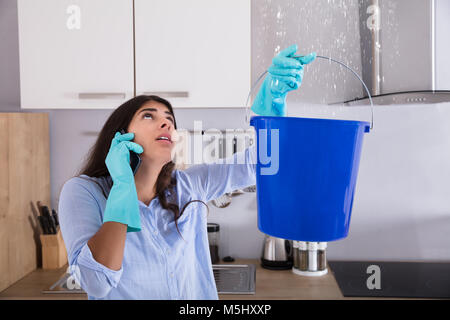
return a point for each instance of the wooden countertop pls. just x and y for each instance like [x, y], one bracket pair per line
[280, 284]
[285, 285]
[31, 286]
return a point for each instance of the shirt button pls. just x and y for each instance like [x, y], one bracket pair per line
[171, 274]
[155, 233]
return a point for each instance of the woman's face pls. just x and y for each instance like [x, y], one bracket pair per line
[150, 124]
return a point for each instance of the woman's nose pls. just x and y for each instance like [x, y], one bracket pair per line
[165, 123]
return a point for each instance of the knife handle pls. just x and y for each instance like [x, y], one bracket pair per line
[41, 223]
[55, 217]
[45, 224]
[49, 218]
[52, 225]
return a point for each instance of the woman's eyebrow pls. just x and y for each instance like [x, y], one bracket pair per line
[148, 109]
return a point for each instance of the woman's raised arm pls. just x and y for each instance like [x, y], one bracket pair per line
[211, 180]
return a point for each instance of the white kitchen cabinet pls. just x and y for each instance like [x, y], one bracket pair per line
[195, 53]
[442, 45]
[75, 53]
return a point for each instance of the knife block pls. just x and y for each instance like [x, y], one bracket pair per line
[54, 254]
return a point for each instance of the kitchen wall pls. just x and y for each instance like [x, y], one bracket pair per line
[400, 211]
[330, 28]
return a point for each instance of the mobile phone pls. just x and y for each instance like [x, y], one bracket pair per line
[135, 160]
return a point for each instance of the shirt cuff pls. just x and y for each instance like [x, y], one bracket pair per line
[86, 259]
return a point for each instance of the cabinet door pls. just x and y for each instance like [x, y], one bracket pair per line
[195, 53]
[75, 53]
[442, 45]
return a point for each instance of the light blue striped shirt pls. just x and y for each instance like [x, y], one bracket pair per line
[157, 262]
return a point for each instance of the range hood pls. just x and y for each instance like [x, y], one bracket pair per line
[407, 58]
[407, 97]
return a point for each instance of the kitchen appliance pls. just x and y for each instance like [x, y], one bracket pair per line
[213, 239]
[235, 278]
[390, 53]
[392, 279]
[276, 253]
[230, 279]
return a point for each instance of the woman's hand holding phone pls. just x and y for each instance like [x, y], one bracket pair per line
[122, 204]
[135, 160]
[118, 158]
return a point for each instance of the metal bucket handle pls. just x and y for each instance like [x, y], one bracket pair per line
[321, 57]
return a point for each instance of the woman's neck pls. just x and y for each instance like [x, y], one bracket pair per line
[145, 180]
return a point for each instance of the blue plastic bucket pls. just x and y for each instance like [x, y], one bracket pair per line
[307, 193]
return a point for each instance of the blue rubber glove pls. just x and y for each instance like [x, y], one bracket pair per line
[285, 74]
[122, 204]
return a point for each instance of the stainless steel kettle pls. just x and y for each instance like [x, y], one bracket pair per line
[277, 253]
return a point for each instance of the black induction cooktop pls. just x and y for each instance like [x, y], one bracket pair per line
[392, 279]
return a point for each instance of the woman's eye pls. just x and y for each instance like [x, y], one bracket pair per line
[148, 114]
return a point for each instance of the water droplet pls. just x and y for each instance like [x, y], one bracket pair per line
[277, 49]
[279, 15]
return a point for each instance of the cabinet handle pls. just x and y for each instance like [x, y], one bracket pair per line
[168, 94]
[101, 95]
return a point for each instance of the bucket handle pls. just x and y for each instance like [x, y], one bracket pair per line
[321, 57]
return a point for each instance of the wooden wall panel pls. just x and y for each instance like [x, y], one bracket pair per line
[24, 180]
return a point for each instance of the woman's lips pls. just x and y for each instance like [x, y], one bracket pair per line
[164, 137]
[164, 141]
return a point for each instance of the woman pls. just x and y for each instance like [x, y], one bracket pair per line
[125, 234]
